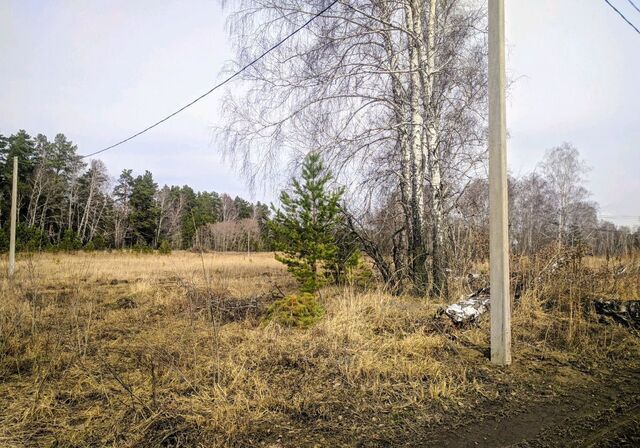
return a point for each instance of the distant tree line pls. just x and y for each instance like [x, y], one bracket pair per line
[67, 203]
[548, 207]
[551, 205]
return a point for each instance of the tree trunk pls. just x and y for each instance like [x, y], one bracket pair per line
[438, 252]
[413, 13]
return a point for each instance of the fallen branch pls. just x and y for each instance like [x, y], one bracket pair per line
[470, 308]
[624, 312]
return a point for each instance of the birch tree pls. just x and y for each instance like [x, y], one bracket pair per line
[565, 174]
[95, 181]
[391, 92]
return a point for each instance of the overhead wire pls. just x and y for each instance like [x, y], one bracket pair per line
[634, 5]
[217, 86]
[253, 62]
[623, 16]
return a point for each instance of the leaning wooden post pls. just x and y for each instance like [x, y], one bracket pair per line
[498, 199]
[14, 207]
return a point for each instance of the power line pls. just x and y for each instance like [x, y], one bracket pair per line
[581, 227]
[217, 86]
[623, 16]
[634, 5]
[620, 216]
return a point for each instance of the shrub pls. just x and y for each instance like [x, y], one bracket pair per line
[164, 248]
[89, 247]
[70, 241]
[99, 243]
[28, 239]
[357, 272]
[296, 310]
[141, 248]
[4, 240]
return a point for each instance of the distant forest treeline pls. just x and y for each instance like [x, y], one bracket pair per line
[66, 203]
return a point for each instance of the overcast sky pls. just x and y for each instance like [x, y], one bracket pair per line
[99, 70]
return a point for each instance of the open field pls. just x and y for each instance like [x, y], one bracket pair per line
[145, 350]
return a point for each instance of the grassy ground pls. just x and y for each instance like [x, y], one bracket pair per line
[147, 350]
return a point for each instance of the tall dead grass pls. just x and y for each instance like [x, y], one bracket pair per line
[558, 292]
[137, 350]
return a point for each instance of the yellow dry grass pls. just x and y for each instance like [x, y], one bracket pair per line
[243, 273]
[113, 350]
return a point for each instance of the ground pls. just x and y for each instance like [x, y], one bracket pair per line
[122, 349]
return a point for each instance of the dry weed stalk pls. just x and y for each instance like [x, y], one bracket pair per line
[179, 363]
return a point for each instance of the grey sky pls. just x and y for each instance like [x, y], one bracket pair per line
[100, 70]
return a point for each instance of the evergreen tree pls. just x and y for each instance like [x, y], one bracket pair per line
[243, 208]
[304, 229]
[188, 228]
[4, 141]
[4, 183]
[144, 209]
[121, 209]
[207, 208]
[122, 190]
[43, 149]
[22, 146]
[64, 158]
[261, 214]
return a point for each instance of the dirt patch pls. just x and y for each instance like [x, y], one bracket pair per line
[219, 304]
[564, 405]
[585, 416]
[118, 282]
[126, 303]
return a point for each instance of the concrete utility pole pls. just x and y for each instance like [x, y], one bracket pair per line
[498, 199]
[14, 207]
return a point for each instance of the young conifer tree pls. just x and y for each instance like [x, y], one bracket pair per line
[304, 228]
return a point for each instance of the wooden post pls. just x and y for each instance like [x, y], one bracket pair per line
[14, 211]
[498, 199]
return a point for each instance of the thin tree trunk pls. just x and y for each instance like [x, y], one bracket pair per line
[438, 254]
[87, 209]
[418, 261]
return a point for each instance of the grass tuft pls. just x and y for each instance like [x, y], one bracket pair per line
[136, 350]
[295, 310]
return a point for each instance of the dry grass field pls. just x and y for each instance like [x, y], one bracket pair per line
[143, 350]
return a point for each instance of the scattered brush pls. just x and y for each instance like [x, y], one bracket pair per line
[170, 357]
[295, 310]
[219, 304]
